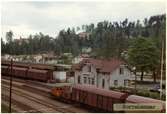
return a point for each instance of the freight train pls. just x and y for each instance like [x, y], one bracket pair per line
[36, 71]
[28, 73]
[100, 98]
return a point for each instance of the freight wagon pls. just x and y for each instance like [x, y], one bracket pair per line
[96, 97]
[145, 100]
[28, 73]
[41, 75]
[90, 96]
[4, 70]
[19, 72]
[99, 98]
[27, 65]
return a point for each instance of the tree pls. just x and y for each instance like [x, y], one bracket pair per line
[144, 55]
[9, 36]
[78, 28]
[107, 39]
[9, 39]
[2, 46]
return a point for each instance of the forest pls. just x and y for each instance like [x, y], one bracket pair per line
[139, 42]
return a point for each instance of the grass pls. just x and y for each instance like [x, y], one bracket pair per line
[145, 93]
[5, 109]
[153, 95]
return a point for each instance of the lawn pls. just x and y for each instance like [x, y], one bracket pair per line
[5, 109]
[140, 92]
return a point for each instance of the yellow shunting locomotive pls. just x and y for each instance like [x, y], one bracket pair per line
[62, 91]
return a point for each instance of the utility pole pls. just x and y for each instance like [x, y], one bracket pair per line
[162, 62]
[10, 97]
[134, 70]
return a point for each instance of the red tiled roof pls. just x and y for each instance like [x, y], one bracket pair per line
[104, 65]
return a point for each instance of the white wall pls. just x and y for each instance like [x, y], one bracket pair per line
[70, 80]
[92, 74]
[77, 73]
[109, 78]
[120, 77]
[106, 78]
[85, 73]
[77, 60]
[59, 75]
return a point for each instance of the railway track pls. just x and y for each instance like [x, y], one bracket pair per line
[41, 103]
[41, 97]
[26, 81]
[29, 88]
[15, 104]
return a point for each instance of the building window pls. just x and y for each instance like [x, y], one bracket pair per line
[126, 82]
[115, 82]
[93, 81]
[79, 79]
[103, 83]
[89, 80]
[121, 71]
[85, 80]
[89, 68]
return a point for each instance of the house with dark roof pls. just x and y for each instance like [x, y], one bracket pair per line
[21, 40]
[102, 73]
[83, 35]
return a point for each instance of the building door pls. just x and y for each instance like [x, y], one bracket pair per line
[115, 83]
[93, 81]
[103, 83]
[79, 79]
[85, 80]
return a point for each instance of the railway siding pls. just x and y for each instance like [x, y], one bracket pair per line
[42, 97]
[31, 102]
[17, 105]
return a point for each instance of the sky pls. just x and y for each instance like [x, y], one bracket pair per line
[48, 17]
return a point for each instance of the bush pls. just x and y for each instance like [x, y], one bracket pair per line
[117, 88]
[143, 93]
[146, 94]
[140, 93]
[154, 95]
[112, 88]
[164, 97]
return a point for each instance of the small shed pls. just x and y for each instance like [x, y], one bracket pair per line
[59, 76]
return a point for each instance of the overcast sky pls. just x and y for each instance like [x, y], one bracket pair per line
[25, 18]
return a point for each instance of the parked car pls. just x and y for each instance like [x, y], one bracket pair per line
[156, 88]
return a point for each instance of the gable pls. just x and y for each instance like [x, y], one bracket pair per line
[101, 65]
[116, 72]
